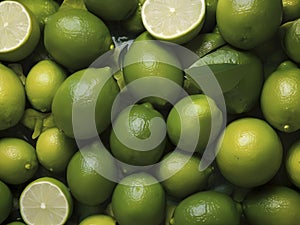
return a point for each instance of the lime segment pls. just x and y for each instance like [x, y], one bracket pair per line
[19, 31]
[45, 201]
[176, 21]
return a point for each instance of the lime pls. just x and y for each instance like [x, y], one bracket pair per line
[203, 44]
[76, 37]
[152, 69]
[244, 150]
[20, 31]
[238, 73]
[87, 172]
[272, 205]
[54, 149]
[210, 16]
[93, 84]
[175, 21]
[134, 23]
[6, 202]
[12, 98]
[291, 10]
[136, 138]
[206, 208]
[191, 120]
[46, 201]
[248, 23]
[139, 199]
[41, 9]
[279, 98]
[98, 219]
[180, 174]
[291, 40]
[42, 82]
[18, 161]
[112, 10]
[292, 163]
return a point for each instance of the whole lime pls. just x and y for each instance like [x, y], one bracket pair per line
[83, 96]
[206, 208]
[12, 98]
[87, 172]
[139, 199]
[76, 37]
[248, 23]
[272, 205]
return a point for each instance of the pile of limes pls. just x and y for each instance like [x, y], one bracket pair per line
[150, 112]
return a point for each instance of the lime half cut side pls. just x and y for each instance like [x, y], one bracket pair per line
[45, 201]
[176, 21]
[19, 31]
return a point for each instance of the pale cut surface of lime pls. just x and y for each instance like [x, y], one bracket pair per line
[44, 203]
[14, 29]
[19, 31]
[173, 20]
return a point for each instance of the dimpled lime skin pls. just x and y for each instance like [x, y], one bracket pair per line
[78, 92]
[207, 208]
[272, 205]
[75, 38]
[139, 199]
[248, 23]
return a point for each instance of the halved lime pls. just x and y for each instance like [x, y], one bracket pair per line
[175, 21]
[45, 201]
[19, 30]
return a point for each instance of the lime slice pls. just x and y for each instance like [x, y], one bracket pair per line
[176, 21]
[19, 30]
[45, 201]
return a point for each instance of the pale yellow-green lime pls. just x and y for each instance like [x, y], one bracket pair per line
[180, 174]
[175, 21]
[193, 122]
[76, 37]
[98, 219]
[245, 148]
[139, 199]
[20, 31]
[136, 138]
[248, 23]
[6, 202]
[90, 174]
[272, 205]
[18, 161]
[46, 201]
[54, 149]
[42, 82]
[206, 208]
[112, 10]
[279, 98]
[83, 96]
[12, 98]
